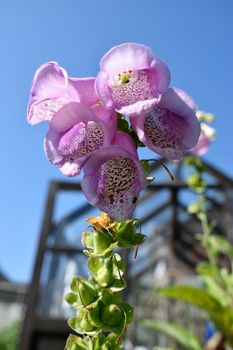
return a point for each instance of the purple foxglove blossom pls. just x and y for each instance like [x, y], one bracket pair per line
[207, 135]
[171, 128]
[52, 89]
[131, 78]
[78, 124]
[113, 178]
[75, 132]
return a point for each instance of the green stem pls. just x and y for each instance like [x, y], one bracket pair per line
[206, 230]
[101, 315]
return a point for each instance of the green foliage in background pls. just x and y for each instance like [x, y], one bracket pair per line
[215, 295]
[9, 336]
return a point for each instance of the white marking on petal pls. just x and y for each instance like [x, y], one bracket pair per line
[46, 109]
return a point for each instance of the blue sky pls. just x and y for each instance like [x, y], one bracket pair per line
[195, 39]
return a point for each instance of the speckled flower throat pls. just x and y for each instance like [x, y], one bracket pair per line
[161, 130]
[117, 184]
[129, 87]
[116, 175]
[81, 139]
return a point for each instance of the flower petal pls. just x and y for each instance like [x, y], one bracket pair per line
[50, 81]
[103, 90]
[202, 145]
[50, 91]
[178, 101]
[109, 117]
[127, 56]
[99, 193]
[72, 168]
[131, 78]
[85, 88]
[163, 76]
[207, 135]
[75, 132]
[69, 115]
[138, 107]
[124, 140]
[118, 195]
[171, 128]
[51, 144]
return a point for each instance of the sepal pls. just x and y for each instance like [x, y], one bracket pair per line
[108, 272]
[81, 323]
[98, 243]
[99, 341]
[126, 235]
[85, 293]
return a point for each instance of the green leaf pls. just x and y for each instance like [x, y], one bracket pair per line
[179, 333]
[136, 140]
[191, 295]
[215, 290]
[9, 336]
[220, 244]
[122, 125]
[221, 316]
[206, 269]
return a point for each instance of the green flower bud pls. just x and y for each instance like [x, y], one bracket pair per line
[126, 234]
[77, 343]
[196, 182]
[194, 208]
[86, 293]
[81, 323]
[84, 322]
[106, 343]
[87, 239]
[104, 275]
[112, 315]
[101, 241]
[94, 315]
[73, 299]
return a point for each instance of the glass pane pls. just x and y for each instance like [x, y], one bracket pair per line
[70, 213]
[57, 273]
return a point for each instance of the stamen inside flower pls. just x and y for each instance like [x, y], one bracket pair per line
[130, 87]
[80, 140]
[116, 185]
[161, 129]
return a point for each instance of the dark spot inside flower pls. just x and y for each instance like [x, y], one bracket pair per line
[131, 86]
[135, 200]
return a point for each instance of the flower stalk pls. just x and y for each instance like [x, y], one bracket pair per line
[101, 315]
[95, 126]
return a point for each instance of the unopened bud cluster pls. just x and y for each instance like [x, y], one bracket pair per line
[98, 305]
